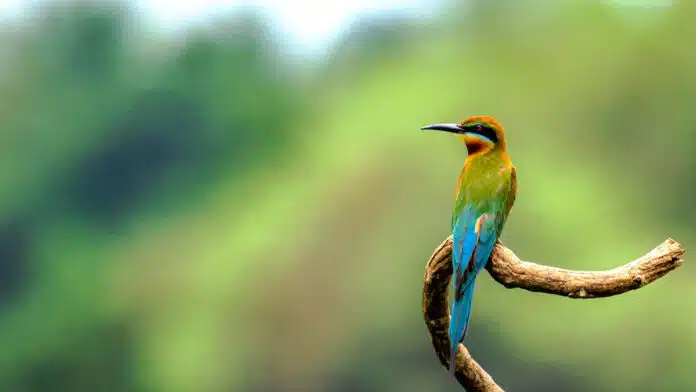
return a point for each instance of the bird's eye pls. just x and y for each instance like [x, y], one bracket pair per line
[479, 127]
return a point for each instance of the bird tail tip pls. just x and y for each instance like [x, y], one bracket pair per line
[459, 322]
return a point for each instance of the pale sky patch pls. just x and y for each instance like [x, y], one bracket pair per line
[309, 24]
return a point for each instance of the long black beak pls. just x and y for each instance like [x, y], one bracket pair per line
[452, 128]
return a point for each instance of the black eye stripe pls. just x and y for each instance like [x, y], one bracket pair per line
[484, 131]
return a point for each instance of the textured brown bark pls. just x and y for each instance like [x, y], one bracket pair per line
[506, 268]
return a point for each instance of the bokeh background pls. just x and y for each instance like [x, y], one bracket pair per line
[227, 204]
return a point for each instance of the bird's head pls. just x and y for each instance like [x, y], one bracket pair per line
[481, 134]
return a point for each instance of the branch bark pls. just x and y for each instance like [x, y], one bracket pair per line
[506, 268]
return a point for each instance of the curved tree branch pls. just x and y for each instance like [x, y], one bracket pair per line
[511, 272]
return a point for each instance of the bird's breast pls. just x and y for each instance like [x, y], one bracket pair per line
[482, 182]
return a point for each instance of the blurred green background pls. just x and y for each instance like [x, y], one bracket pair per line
[212, 210]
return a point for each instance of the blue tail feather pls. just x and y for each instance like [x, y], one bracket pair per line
[461, 310]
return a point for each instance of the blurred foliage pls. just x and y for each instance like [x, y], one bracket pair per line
[198, 214]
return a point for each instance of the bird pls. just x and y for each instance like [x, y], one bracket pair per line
[484, 196]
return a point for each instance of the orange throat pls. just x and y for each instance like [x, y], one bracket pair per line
[476, 146]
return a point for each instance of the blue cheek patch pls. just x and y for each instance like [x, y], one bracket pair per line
[479, 136]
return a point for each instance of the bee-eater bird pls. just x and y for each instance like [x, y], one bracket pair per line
[484, 197]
